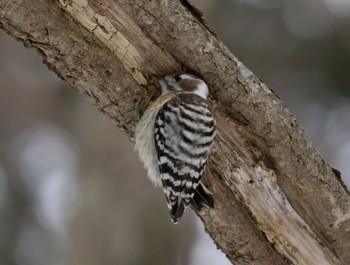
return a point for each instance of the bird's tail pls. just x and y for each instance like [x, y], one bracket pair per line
[177, 211]
[202, 196]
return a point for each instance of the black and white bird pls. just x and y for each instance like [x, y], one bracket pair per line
[174, 139]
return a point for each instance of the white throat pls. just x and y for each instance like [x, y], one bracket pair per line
[202, 90]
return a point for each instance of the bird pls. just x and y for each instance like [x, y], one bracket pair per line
[174, 138]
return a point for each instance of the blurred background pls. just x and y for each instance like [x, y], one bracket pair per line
[72, 190]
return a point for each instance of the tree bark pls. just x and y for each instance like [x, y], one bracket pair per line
[276, 200]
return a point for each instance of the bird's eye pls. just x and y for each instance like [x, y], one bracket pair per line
[177, 78]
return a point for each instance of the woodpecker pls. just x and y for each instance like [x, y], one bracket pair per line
[174, 138]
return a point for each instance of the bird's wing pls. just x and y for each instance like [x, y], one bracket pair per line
[184, 135]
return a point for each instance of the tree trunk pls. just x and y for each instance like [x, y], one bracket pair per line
[276, 200]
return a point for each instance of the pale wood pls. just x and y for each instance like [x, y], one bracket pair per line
[277, 201]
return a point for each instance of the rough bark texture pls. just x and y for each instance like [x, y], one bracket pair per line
[277, 200]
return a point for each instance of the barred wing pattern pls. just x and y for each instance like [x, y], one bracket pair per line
[184, 135]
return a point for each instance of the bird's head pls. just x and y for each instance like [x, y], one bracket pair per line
[184, 82]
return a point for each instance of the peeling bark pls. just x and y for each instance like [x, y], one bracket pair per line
[277, 200]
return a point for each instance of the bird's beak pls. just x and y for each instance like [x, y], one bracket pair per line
[158, 81]
[158, 77]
